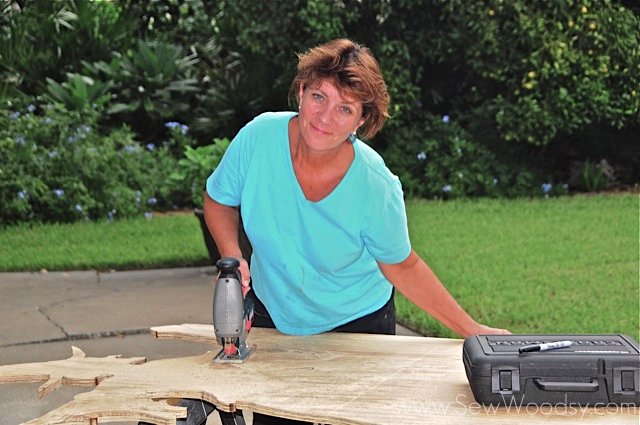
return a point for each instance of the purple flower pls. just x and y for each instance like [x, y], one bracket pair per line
[22, 194]
[111, 214]
[20, 141]
[58, 192]
[546, 188]
[53, 154]
[78, 207]
[445, 119]
[152, 201]
[174, 124]
[31, 108]
[422, 156]
[447, 188]
[47, 120]
[15, 115]
[148, 215]
[150, 146]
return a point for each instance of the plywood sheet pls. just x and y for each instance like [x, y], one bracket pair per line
[329, 378]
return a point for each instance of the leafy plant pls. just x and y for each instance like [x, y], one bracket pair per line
[234, 98]
[593, 177]
[151, 84]
[533, 70]
[193, 169]
[438, 159]
[46, 39]
[56, 166]
[79, 91]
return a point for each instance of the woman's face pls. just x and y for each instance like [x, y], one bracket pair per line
[327, 117]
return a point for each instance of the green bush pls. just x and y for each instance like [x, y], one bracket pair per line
[533, 70]
[438, 159]
[190, 175]
[46, 39]
[78, 92]
[56, 166]
[532, 81]
[535, 89]
[149, 85]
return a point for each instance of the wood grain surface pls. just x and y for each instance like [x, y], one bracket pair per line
[329, 378]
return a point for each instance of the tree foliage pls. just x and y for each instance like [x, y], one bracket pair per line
[533, 92]
[537, 70]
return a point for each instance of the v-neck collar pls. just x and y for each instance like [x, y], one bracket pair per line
[294, 178]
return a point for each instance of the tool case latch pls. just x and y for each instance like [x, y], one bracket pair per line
[505, 380]
[626, 380]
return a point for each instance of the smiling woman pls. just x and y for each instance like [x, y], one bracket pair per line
[326, 117]
[324, 214]
[352, 69]
[320, 139]
[335, 91]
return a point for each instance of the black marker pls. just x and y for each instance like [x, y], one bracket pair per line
[544, 347]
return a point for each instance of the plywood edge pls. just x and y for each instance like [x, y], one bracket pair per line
[185, 332]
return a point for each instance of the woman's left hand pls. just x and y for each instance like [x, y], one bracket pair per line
[487, 330]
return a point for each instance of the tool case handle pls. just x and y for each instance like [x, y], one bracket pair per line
[567, 386]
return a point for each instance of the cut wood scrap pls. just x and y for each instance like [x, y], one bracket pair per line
[330, 378]
[78, 370]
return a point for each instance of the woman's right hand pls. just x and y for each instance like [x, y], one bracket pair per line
[245, 274]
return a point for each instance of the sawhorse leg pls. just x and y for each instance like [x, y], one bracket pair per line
[231, 418]
[199, 410]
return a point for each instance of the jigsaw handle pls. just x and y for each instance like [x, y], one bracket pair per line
[228, 268]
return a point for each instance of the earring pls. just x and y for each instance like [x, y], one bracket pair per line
[352, 137]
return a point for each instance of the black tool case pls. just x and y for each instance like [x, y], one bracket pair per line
[596, 370]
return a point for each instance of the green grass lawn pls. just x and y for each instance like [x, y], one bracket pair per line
[558, 265]
[164, 241]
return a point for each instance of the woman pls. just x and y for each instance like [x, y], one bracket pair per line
[324, 215]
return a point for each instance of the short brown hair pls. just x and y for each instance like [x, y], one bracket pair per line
[353, 69]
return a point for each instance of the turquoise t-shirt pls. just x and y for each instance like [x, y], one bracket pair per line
[314, 263]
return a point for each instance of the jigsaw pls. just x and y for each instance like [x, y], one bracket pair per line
[232, 314]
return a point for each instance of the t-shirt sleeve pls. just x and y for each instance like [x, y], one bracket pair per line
[386, 235]
[225, 184]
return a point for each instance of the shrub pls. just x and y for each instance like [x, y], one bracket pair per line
[57, 167]
[78, 91]
[149, 85]
[438, 159]
[40, 39]
[535, 70]
[189, 178]
[521, 76]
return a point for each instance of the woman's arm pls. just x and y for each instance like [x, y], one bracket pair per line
[223, 222]
[416, 281]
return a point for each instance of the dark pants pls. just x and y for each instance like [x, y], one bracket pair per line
[382, 321]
